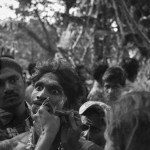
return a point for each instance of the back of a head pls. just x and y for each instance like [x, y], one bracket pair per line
[115, 75]
[98, 71]
[31, 68]
[129, 122]
[131, 66]
[82, 72]
[79, 67]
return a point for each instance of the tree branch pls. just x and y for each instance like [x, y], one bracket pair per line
[43, 26]
[36, 38]
[91, 8]
[78, 38]
[66, 56]
[85, 52]
[118, 19]
[143, 36]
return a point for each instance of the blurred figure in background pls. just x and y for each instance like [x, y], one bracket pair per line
[129, 123]
[131, 67]
[29, 88]
[95, 93]
[114, 82]
[82, 72]
[31, 71]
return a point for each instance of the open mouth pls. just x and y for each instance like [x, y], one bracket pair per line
[37, 103]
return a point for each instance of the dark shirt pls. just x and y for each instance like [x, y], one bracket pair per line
[88, 145]
[14, 126]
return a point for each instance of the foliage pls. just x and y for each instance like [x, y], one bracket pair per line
[86, 31]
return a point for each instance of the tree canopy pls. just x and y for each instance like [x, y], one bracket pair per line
[84, 31]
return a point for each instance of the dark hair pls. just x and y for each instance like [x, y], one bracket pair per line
[78, 68]
[99, 71]
[115, 75]
[31, 68]
[68, 79]
[131, 66]
[129, 122]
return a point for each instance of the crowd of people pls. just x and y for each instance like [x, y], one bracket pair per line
[55, 110]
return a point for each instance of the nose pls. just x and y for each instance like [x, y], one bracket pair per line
[42, 95]
[8, 88]
[41, 98]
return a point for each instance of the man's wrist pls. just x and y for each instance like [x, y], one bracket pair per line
[48, 133]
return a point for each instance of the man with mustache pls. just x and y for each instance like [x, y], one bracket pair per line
[13, 109]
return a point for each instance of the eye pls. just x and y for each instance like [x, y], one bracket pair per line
[55, 92]
[38, 87]
[13, 80]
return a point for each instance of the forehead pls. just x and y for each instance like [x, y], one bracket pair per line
[8, 72]
[49, 78]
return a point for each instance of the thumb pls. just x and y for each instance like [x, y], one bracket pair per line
[72, 121]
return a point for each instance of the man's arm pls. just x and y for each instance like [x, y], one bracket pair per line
[70, 135]
[50, 126]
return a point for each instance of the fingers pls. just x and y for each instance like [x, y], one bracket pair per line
[39, 113]
[44, 115]
[45, 122]
[72, 121]
[75, 120]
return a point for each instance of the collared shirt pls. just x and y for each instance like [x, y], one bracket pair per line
[14, 126]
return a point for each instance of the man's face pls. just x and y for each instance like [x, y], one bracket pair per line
[12, 88]
[48, 87]
[112, 91]
[96, 130]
